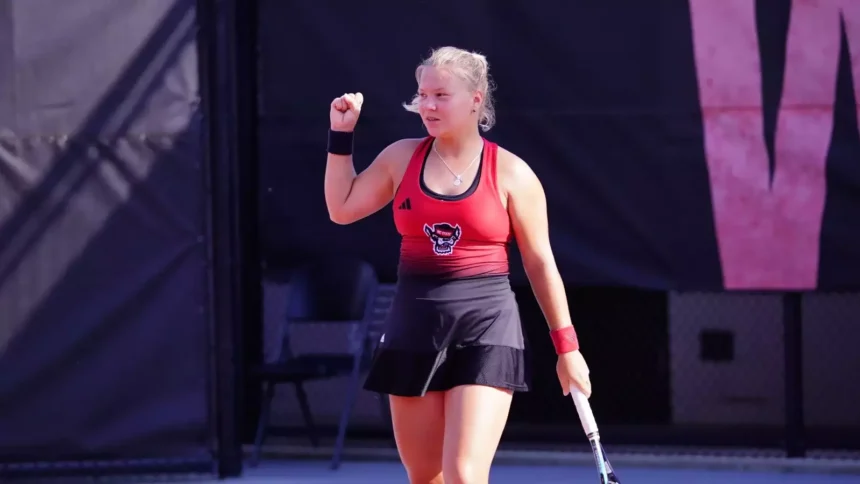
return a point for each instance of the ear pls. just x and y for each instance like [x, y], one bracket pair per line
[478, 99]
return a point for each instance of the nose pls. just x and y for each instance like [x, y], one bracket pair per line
[427, 104]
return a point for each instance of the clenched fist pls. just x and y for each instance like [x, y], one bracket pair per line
[345, 110]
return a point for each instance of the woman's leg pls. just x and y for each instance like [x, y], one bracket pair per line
[475, 417]
[419, 430]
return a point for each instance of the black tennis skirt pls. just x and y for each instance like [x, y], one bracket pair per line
[443, 334]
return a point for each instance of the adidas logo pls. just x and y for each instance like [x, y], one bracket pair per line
[406, 205]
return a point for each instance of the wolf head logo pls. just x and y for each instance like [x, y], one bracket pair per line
[444, 237]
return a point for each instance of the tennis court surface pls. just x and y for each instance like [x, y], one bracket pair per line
[317, 472]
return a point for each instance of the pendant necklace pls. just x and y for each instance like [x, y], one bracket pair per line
[458, 179]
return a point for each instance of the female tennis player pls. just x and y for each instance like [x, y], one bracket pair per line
[453, 351]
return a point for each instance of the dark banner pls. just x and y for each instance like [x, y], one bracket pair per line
[682, 144]
[104, 333]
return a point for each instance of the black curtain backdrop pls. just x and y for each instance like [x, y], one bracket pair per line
[690, 145]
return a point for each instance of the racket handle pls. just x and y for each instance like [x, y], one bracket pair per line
[583, 408]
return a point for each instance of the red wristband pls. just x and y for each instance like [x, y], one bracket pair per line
[564, 340]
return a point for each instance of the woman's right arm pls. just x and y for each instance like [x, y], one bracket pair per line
[351, 197]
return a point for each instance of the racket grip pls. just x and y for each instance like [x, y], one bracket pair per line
[583, 408]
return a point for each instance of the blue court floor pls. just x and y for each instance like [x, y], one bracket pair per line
[317, 472]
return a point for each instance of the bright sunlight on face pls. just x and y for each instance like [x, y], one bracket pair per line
[445, 101]
[455, 84]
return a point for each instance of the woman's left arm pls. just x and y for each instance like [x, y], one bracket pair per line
[528, 212]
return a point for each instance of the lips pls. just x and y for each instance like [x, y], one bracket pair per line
[431, 119]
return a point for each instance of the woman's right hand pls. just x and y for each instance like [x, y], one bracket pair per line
[345, 110]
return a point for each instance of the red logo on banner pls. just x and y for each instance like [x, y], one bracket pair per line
[769, 228]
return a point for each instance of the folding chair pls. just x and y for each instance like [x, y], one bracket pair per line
[338, 291]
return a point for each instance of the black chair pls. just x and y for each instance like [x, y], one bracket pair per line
[331, 291]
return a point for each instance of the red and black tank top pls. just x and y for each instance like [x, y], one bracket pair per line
[453, 236]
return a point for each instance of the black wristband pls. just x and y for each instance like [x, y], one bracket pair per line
[340, 142]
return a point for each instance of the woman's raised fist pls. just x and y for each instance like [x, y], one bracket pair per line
[345, 110]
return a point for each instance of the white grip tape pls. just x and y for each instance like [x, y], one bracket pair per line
[583, 408]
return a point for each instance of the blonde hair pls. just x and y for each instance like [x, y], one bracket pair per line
[469, 66]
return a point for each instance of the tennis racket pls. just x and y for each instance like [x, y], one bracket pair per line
[583, 408]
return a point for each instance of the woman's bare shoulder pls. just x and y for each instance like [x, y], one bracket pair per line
[401, 150]
[512, 168]
[396, 157]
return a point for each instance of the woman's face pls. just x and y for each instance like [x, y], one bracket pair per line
[445, 102]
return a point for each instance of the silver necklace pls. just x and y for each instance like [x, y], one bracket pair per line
[458, 179]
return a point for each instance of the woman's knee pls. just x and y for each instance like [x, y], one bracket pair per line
[463, 470]
[425, 475]
[475, 417]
